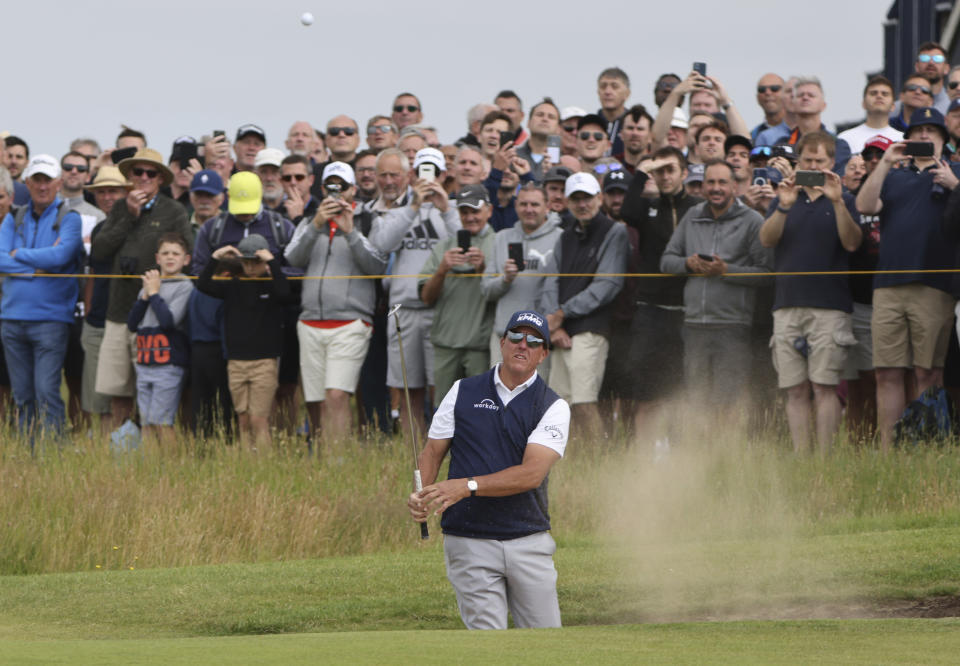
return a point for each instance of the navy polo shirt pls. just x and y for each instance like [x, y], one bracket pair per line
[489, 438]
[810, 242]
[910, 229]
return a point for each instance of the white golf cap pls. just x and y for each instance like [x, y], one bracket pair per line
[680, 120]
[45, 164]
[268, 156]
[568, 112]
[340, 169]
[581, 182]
[432, 156]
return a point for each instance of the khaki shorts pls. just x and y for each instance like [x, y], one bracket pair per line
[577, 373]
[253, 385]
[829, 337]
[331, 358]
[912, 318]
[860, 357]
[118, 354]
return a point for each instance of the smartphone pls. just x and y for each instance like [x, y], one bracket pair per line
[333, 191]
[810, 178]
[918, 149]
[553, 148]
[184, 153]
[507, 137]
[515, 252]
[427, 171]
[705, 257]
[217, 133]
[463, 240]
[700, 68]
[123, 153]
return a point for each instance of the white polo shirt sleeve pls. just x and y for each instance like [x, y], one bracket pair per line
[554, 427]
[442, 425]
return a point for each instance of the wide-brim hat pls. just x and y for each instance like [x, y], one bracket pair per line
[149, 156]
[108, 176]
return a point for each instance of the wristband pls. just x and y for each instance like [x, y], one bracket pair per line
[785, 211]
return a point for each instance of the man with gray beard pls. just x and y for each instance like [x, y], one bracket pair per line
[267, 166]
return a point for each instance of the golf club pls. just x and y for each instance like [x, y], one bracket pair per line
[417, 481]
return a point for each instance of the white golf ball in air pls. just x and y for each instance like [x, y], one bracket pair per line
[306, 18]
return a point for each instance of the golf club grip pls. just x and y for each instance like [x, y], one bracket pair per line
[418, 486]
[424, 532]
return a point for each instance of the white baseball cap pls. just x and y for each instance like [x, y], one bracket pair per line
[45, 164]
[268, 156]
[431, 156]
[680, 120]
[581, 182]
[340, 169]
[568, 112]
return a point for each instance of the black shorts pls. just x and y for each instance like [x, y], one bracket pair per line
[289, 372]
[656, 353]
[73, 361]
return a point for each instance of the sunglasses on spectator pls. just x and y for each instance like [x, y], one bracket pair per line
[336, 131]
[666, 85]
[289, 177]
[532, 341]
[604, 168]
[935, 58]
[79, 168]
[597, 136]
[871, 153]
[149, 173]
[913, 87]
[410, 108]
[383, 129]
[953, 84]
[773, 88]
[572, 129]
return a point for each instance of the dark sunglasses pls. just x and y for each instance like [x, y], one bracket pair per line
[764, 151]
[299, 177]
[597, 136]
[149, 173]
[383, 129]
[912, 87]
[532, 341]
[409, 107]
[666, 85]
[871, 153]
[336, 131]
[572, 129]
[773, 88]
[79, 168]
[604, 168]
[953, 84]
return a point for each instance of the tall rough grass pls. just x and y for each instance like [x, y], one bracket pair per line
[80, 506]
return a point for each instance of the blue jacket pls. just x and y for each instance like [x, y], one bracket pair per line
[40, 247]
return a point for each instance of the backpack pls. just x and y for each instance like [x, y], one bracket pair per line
[62, 209]
[277, 226]
[931, 417]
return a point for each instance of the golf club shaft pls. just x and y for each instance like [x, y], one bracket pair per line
[417, 481]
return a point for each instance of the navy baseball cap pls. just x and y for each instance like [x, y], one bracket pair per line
[208, 181]
[927, 116]
[530, 318]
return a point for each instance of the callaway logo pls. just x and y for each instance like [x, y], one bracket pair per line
[528, 316]
[486, 403]
[554, 431]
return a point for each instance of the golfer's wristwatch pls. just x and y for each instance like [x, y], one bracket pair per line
[472, 486]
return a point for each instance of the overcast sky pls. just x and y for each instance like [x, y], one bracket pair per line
[176, 67]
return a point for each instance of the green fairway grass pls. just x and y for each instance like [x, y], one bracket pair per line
[834, 642]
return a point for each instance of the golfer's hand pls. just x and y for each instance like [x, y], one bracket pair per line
[417, 508]
[438, 497]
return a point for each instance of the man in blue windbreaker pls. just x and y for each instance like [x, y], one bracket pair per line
[41, 237]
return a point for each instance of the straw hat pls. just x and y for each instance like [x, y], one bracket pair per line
[108, 176]
[149, 156]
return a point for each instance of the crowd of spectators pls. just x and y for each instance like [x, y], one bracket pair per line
[233, 283]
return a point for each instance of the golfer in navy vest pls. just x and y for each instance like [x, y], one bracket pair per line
[504, 429]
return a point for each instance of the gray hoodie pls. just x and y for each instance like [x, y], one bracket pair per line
[524, 292]
[412, 234]
[735, 238]
[348, 254]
